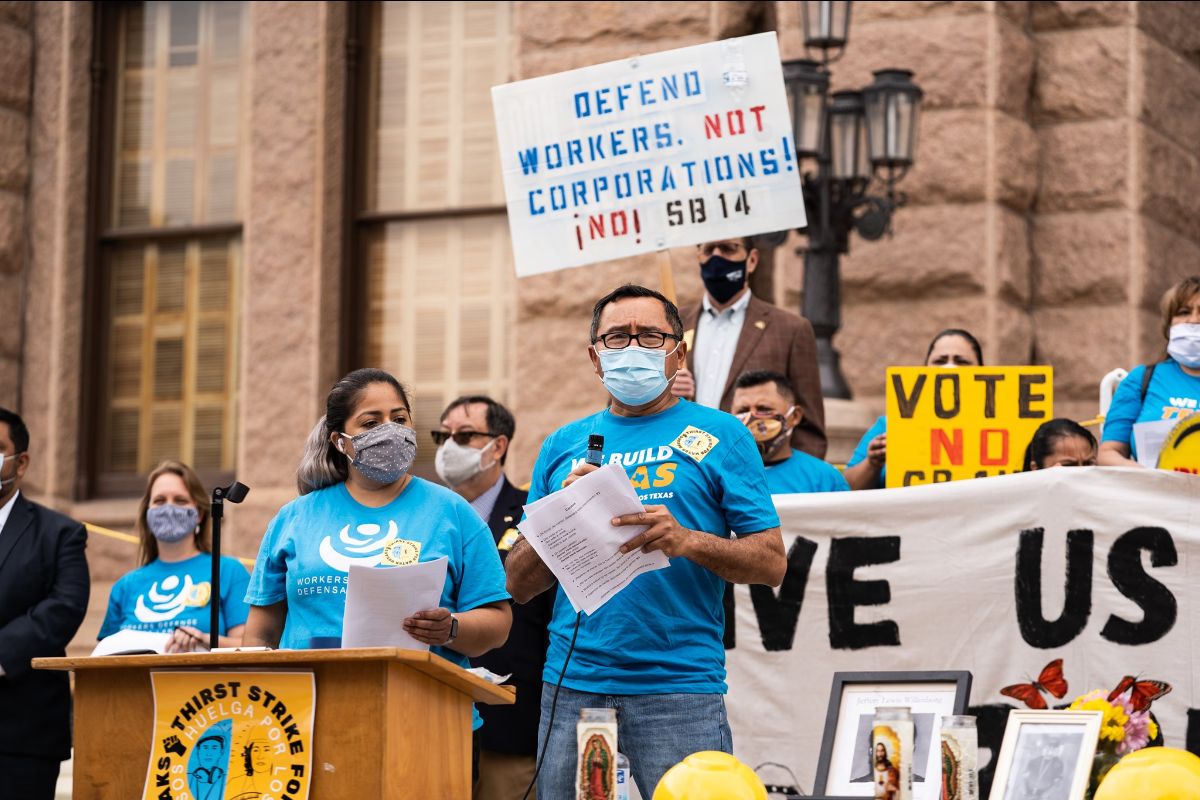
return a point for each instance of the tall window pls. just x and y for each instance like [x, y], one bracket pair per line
[169, 238]
[439, 287]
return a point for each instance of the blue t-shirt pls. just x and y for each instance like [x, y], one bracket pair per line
[860, 452]
[804, 473]
[1171, 394]
[162, 596]
[310, 544]
[662, 633]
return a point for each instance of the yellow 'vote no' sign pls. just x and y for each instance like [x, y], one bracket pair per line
[949, 424]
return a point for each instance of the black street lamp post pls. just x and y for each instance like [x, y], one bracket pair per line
[853, 137]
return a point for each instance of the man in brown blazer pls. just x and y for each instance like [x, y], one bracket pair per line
[730, 332]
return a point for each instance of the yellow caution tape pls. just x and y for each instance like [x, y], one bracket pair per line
[125, 537]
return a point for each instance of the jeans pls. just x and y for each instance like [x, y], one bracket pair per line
[654, 731]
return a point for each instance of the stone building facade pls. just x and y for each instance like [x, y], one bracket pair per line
[1058, 168]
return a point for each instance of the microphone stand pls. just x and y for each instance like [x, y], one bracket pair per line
[234, 493]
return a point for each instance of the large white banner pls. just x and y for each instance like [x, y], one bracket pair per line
[998, 576]
[647, 153]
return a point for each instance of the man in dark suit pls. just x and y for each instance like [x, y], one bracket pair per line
[730, 331]
[473, 443]
[43, 597]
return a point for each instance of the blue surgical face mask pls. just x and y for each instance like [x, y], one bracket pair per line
[635, 375]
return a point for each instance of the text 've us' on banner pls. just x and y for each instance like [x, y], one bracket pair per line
[227, 735]
[1098, 566]
[971, 422]
[657, 151]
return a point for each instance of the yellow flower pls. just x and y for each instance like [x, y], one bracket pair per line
[1112, 726]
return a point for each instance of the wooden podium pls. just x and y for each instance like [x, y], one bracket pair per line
[389, 723]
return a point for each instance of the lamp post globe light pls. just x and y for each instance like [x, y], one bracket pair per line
[854, 139]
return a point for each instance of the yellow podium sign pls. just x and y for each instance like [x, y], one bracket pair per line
[231, 736]
[1181, 449]
[950, 424]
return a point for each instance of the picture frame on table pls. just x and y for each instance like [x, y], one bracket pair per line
[844, 769]
[1046, 755]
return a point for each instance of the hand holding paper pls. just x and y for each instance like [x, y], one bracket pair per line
[378, 600]
[572, 531]
[661, 532]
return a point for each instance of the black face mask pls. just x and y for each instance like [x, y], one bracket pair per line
[723, 278]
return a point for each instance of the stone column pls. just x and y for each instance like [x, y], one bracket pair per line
[959, 254]
[53, 238]
[291, 272]
[16, 65]
[1117, 108]
[54, 341]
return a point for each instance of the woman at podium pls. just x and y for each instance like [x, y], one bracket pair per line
[359, 505]
[170, 591]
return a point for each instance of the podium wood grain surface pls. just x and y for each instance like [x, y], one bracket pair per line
[391, 724]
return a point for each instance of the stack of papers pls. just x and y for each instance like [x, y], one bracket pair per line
[572, 532]
[128, 642]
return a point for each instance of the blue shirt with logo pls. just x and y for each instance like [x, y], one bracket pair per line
[312, 542]
[860, 452]
[162, 596]
[662, 633]
[1171, 394]
[804, 473]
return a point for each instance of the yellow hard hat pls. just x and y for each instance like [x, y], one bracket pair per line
[1153, 773]
[710, 775]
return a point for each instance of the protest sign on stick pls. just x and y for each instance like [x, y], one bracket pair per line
[648, 153]
[950, 424]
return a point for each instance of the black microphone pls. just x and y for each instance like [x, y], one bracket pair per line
[234, 493]
[595, 451]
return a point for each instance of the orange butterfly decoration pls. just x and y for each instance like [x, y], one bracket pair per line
[1141, 693]
[1050, 680]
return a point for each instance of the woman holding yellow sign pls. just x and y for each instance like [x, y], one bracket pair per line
[1158, 395]
[867, 468]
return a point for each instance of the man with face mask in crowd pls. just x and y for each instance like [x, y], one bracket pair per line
[653, 651]
[765, 402]
[43, 597]
[473, 442]
[730, 331]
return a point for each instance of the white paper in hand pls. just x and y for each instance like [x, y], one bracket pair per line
[379, 599]
[572, 532]
[1149, 437]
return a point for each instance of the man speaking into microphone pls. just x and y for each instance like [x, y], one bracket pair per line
[654, 651]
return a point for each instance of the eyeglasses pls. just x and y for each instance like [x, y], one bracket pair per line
[721, 248]
[462, 438]
[652, 340]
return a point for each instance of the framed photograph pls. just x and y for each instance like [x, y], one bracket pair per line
[846, 768]
[1046, 755]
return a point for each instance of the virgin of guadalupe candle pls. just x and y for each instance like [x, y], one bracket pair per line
[596, 765]
[960, 759]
